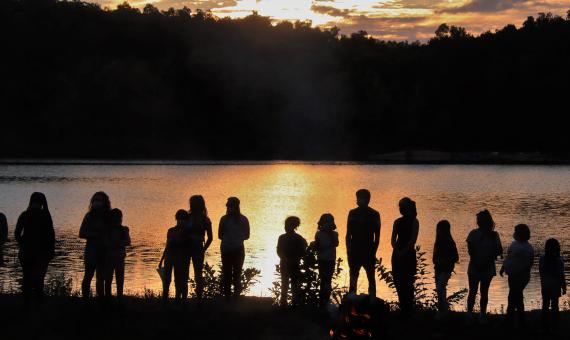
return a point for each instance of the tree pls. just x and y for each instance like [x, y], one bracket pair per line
[150, 9]
[442, 31]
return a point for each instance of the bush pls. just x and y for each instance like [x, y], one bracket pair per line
[213, 286]
[60, 286]
[425, 298]
[309, 281]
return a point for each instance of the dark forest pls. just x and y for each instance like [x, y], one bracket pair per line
[79, 81]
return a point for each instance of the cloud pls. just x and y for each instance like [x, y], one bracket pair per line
[196, 4]
[485, 6]
[332, 11]
[409, 28]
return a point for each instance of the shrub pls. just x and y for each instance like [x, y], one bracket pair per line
[213, 287]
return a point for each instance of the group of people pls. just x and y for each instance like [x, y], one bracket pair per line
[187, 241]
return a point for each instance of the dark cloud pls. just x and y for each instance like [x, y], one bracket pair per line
[332, 11]
[485, 6]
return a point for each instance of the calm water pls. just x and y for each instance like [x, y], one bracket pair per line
[149, 195]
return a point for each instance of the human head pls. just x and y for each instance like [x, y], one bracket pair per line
[485, 221]
[522, 233]
[326, 222]
[407, 207]
[552, 248]
[116, 216]
[181, 217]
[291, 223]
[232, 206]
[198, 205]
[443, 229]
[38, 201]
[100, 202]
[363, 197]
[3, 220]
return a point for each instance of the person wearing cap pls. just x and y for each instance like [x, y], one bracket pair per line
[233, 231]
[326, 241]
[362, 240]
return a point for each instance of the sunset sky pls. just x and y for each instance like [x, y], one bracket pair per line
[385, 19]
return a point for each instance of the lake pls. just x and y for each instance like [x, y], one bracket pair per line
[150, 194]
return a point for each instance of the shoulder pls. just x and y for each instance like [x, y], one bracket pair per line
[244, 219]
[373, 211]
[352, 212]
[207, 220]
[126, 229]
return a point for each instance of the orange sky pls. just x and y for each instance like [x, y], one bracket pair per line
[385, 19]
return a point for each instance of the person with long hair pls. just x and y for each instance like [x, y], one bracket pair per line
[36, 238]
[484, 246]
[3, 236]
[326, 241]
[233, 231]
[94, 229]
[445, 257]
[552, 283]
[517, 265]
[199, 238]
[404, 237]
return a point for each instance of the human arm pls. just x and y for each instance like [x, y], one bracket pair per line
[221, 228]
[377, 227]
[394, 237]
[209, 236]
[18, 232]
[126, 237]
[348, 238]
[246, 228]
[85, 231]
[280, 250]
[414, 236]
[562, 278]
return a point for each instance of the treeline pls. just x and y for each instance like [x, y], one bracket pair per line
[81, 81]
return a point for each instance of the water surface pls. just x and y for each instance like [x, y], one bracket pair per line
[149, 195]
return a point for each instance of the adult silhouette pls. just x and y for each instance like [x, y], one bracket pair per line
[483, 245]
[95, 228]
[199, 238]
[175, 259]
[233, 231]
[3, 236]
[404, 237]
[362, 240]
[36, 239]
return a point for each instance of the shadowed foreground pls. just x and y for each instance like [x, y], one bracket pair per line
[250, 318]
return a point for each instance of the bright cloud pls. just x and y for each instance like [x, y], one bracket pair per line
[385, 19]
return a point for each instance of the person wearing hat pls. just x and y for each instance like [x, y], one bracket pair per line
[233, 231]
[326, 241]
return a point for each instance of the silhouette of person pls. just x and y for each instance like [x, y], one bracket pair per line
[362, 240]
[404, 237]
[517, 265]
[483, 245]
[233, 231]
[36, 239]
[95, 228]
[445, 257]
[199, 227]
[326, 241]
[118, 240]
[290, 247]
[552, 283]
[175, 258]
[3, 236]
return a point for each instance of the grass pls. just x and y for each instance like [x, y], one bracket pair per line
[249, 318]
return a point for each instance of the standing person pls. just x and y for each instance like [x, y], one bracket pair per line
[484, 246]
[199, 227]
[94, 229]
[3, 236]
[119, 239]
[362, 240]
[233, 231]
[552, 282]
[36, 239]
[326, 241]
[290, 247]
[175, 258]
[445, 257]
[404, 237]
[517, 265]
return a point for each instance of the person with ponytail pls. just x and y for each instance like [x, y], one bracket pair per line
[404, 264]
[199, 238]
[484, 246]
[36, 239]
[95, 229]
